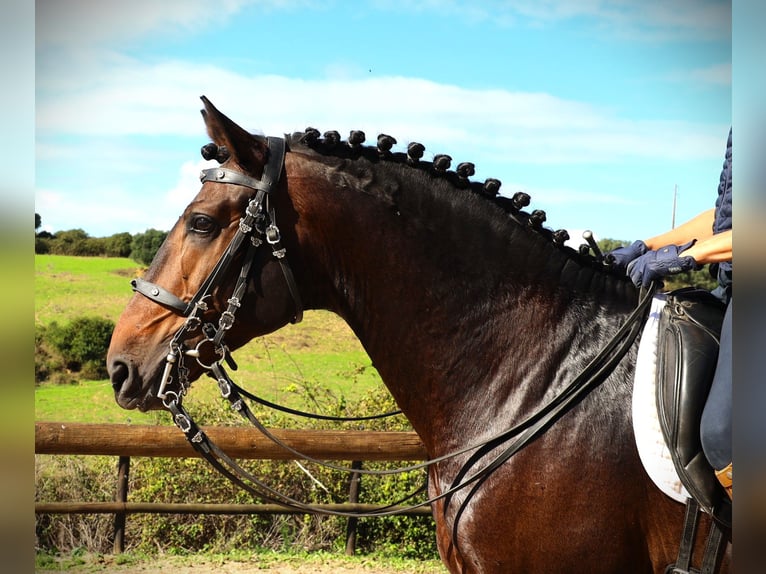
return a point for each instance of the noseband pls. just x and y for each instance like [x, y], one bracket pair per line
[256, 228]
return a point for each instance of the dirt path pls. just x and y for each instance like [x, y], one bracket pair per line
[266, 564]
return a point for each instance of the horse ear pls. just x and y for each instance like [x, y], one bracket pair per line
[244, 148]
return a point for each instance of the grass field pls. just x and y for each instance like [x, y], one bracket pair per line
[321, 350]
[68, 287]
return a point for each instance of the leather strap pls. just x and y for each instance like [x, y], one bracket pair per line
[223, 175]
[160, 296]
[714, 547]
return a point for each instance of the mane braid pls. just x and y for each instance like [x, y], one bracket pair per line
[330, 144]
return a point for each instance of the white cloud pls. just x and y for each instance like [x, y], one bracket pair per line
[161, 99]
[663, 20]
[95, 214]
[96, 105]
[719, 75]
[72, 23]
[188, 184]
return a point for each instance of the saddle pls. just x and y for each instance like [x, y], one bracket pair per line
[687, 352]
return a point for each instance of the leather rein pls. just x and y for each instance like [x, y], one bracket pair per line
[258, 227]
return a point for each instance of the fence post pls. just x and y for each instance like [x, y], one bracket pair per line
[122, 496]
[353, 498]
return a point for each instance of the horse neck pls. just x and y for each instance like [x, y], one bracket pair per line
[454, 305]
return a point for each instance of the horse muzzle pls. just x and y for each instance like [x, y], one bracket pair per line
[131, 390]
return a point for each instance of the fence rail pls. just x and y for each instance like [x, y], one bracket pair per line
[238, 442]
[125, 441]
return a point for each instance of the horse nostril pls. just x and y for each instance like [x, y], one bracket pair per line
[119, 373]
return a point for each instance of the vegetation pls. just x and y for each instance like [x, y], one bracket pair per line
[144, 246]
[140, 247]
[81, 562]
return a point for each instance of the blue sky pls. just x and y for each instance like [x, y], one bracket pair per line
[598, 109]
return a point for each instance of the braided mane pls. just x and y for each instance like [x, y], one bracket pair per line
[331, 144]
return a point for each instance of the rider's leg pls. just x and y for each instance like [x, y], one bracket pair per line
[715, 428]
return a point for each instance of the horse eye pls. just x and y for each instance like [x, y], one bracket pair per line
[202, 224]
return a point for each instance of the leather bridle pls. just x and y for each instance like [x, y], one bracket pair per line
[256, 228]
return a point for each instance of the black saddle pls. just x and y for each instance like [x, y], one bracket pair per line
[689, 334]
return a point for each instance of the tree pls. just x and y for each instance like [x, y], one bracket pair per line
[145, 245]
[68, 242]
[118, 245]
[38, 221]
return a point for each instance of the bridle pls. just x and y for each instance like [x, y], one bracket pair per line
[257, 227]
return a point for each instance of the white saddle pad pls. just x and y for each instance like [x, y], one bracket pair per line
[652, 450]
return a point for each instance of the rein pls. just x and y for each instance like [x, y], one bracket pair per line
[259, 224]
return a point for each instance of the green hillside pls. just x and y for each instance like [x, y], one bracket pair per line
[319, 352]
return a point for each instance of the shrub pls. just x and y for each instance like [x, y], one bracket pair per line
[118, 245]
[42, 245]
[59, 478]
[49, 364]
[83, 344]
[145, 245]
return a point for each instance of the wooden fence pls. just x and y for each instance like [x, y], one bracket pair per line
[125, 441]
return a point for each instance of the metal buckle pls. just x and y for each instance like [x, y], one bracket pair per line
[273, 236]
[224, 387]
[182, 422]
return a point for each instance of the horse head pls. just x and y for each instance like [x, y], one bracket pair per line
[169, 331]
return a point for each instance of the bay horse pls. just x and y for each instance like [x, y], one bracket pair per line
[474, 314]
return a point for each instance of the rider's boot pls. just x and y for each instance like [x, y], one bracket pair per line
[724, 476]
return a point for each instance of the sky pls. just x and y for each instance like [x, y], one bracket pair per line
[604, 111]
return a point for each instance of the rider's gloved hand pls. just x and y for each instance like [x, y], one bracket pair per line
[665, 261]
[619, 258]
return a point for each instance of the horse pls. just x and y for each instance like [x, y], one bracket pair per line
[474, 313]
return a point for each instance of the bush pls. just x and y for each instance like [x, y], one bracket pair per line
[49, 365]
[59, 478]
[118, 245]
[78, 243]
[145, 245]
[82, 345]
[42, 245]
[71, 242]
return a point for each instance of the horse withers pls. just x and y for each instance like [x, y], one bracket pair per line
[502, 346]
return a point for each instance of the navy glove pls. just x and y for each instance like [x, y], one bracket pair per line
[619, 258]
[657, 264]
